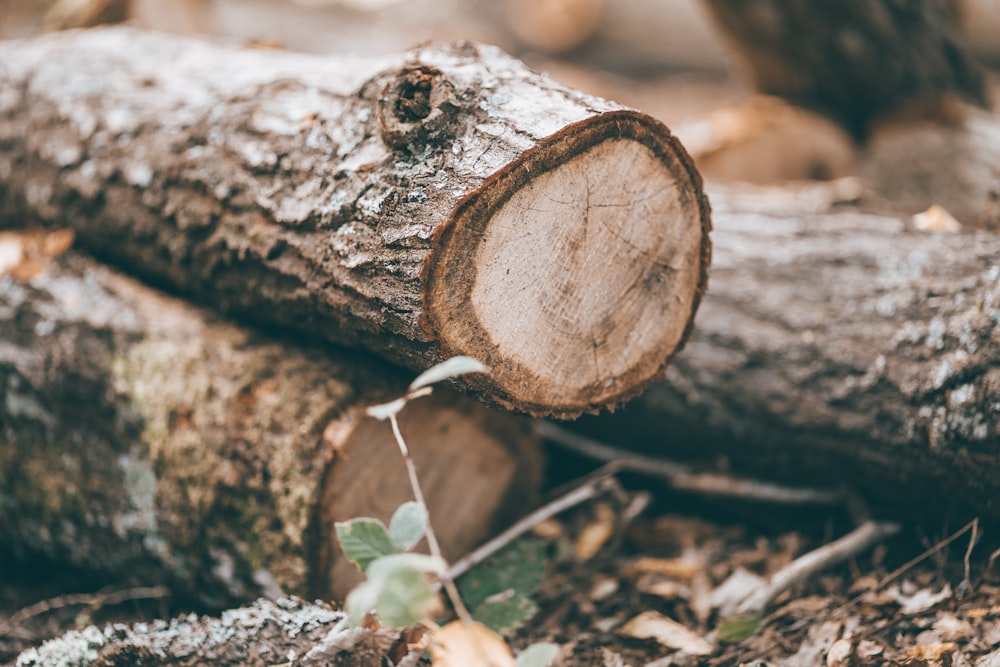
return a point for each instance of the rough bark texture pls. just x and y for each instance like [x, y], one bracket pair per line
[853, 59]
[263, 634]
[836, 348]
[400, 204]
[139, 434]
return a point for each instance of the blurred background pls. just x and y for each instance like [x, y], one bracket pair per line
[664, 57]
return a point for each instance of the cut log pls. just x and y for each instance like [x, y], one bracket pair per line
[259, 635]
[854, 59]
[141, 435]
[446, 201]
[837, 349]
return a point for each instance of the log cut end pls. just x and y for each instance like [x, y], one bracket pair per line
[575, 272]
[462, 451]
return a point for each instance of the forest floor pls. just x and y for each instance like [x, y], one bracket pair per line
[677, 566]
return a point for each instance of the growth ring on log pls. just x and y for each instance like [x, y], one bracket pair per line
[574, 271]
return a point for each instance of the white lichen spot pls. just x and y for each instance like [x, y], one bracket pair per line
[139, 483]
[38, 194]
[885, 307]
[256, 155]
[139, 174]
[961, 395]
[370, 203]
[942, 374]
[120, 120]
[491, 105]
[935, 334]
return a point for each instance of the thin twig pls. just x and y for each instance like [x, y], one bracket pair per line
[803, 567]
[966, 583]
[590, 488]
[449, 585]
[97, 600]
[925, 555]
[682, 477]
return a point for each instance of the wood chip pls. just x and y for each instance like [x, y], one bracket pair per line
[936, 219]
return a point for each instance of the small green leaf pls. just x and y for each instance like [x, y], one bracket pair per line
[363, 540]
[408, 525]
[448, 369]
[385, 565]
[360, 601]
[505, 612]
[518, 567]
[537, 655]
[739, 628]
[397, 590]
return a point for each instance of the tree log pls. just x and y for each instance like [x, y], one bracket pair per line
[445, 201]
[141, 435]
[286, 631]
[854, 59]
[836, 348]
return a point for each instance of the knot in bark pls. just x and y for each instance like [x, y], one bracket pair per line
[415, 108]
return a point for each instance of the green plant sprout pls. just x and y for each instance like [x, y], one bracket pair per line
[402, 587]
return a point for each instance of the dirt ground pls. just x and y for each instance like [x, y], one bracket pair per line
[679, 565]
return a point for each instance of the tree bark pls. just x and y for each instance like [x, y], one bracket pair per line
[140, 434]
[836, 348]
[263, 634]
[445, 201]
[855, 59]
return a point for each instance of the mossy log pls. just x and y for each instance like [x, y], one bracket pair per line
[840, 349]
[139, 434]
[443, 201]
[854, 59]
[264, 634]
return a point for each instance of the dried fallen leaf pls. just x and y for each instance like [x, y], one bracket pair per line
[595, 534]
[931, 651]
[867, 650]
[950, 628]
[667, 589]
[603, 588]
[11, 251]
[684, 567]
[670, 633]
[936, 219]
[23, 255]
[920, 601]
[468, 645]
[839, 654]
[728, 595]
